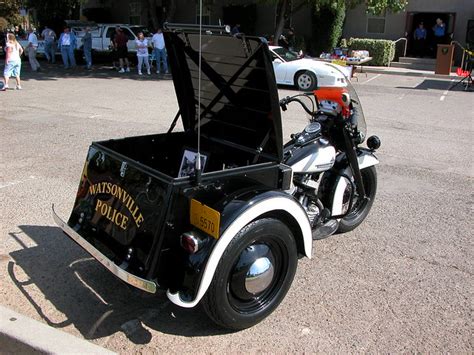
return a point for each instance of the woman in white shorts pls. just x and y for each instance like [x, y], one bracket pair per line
[142, 53]
[12, 61]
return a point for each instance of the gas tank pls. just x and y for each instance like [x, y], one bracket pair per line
[313, 158]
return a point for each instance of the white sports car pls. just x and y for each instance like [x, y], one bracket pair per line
[306, 74]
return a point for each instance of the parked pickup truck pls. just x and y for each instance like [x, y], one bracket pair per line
[101, 34]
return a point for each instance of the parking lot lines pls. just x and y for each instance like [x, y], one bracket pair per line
[446, 91]
[368, 80]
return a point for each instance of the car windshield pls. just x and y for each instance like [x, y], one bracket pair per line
[137, 29]
[286, 54]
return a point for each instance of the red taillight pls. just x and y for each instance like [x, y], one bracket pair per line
[190, 242]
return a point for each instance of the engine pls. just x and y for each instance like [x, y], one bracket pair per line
[306, 193]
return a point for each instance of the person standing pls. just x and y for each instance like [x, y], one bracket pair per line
[113, 47]
[291, 38]
[49, 49]
[32, 47]
[159, 50]
[87, 47]
[420, 40]
[66, 44]
[122, 51]
[13, 51]
[439, 31]
[142, 53]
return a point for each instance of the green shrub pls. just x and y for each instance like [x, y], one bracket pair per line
[327, 24]
[382, 51]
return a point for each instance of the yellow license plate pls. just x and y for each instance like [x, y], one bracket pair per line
[205, 218]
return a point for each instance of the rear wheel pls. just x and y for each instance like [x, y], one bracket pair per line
[361, 207]
[306, 81]
[253, 275]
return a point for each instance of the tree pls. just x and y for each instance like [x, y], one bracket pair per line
[285, 8]
[54, 12]
[327, 26]
[152, 13]
[377, 7]
[10, 10]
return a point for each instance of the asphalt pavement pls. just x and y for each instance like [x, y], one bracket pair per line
[401, 282]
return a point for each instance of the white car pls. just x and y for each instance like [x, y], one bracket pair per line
[305, 73]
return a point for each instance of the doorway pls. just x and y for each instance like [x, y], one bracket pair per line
[429, 20]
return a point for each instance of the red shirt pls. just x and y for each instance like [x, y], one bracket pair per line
[121, 40]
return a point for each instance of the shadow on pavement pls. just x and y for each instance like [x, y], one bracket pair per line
[432, 84]
[89, 297]
[99, 71]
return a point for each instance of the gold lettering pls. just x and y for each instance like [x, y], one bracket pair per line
[104, 209]
[134, 213]
[92, 189]
[130, 203]
[124, 223]
[139, 220]
[118, 192]
[111, 213]
[125, 197]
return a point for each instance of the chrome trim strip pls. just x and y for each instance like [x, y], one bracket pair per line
[138, 282]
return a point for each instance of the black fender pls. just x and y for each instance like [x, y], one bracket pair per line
[333, 183]
[236, 214]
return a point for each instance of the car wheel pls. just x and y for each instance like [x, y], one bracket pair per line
[253, 275]
[306, 81]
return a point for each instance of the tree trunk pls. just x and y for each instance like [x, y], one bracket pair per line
[280, 21]
[170, 10]
[152, 12]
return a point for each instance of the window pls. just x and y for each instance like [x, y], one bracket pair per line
[129, 34]
[376, 24]
[110, 30]
[135, 17]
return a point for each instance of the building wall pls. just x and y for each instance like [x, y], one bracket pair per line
[395, 26]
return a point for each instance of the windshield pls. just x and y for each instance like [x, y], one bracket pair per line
[358, 114]
[286, 54]
[137, 29]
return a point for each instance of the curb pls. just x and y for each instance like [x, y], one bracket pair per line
[20, 334]
[417, 73]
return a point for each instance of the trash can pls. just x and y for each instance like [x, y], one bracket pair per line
[444, 59]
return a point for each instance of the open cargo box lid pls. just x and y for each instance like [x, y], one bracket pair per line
[239, 98]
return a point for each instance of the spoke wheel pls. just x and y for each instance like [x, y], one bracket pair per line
[361, 207]
[253, 275]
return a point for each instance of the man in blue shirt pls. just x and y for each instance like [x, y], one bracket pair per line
[420, 40]
[439, 31]
[67, 44]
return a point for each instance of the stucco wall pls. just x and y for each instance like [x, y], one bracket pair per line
[356, 19]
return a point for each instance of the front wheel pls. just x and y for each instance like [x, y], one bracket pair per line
[253, 275]
[361, 208]
[306, 81]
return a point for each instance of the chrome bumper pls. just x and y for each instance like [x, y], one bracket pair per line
[138, 282]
